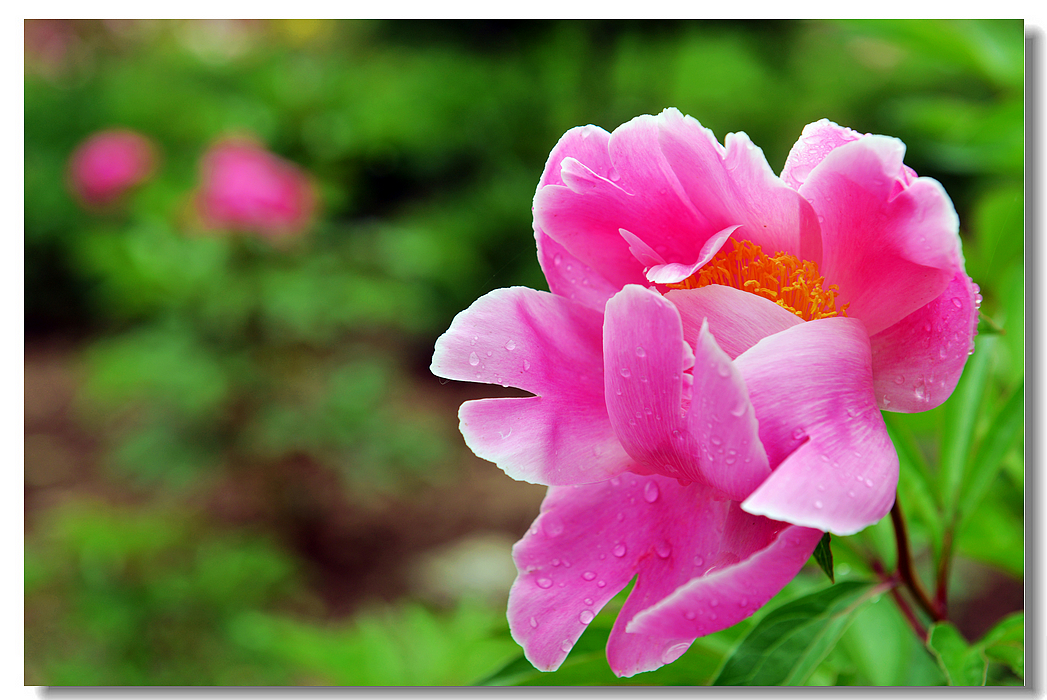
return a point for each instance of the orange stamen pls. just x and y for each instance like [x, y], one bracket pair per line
[786, 280]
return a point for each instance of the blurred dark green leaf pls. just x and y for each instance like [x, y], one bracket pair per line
[962, 664]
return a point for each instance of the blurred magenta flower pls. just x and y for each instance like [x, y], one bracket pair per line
[708, 370]
[108, 164]
[246, 188]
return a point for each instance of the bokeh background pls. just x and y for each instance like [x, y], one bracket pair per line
[238, 468]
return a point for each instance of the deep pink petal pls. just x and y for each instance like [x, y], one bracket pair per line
[585, 143]
[734, 185]
[835, 468]
[672, 273]
[891, 248]
[590, 541]
[639, 193]
[571, 278]
[643, 382]
[815, 142]
[734, 591]
[552, 347]
[918, 361]
[736, 319]
[722, 422]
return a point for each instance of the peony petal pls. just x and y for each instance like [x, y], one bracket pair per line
[734, 185]
[835, 468]
[639, 193]
[815, 142]
[722, 421]
[585, 143]
[590, 541]
[890, 248]
[918, 361]
[769, 555]
[737, 319]
[643, 382]
[547, 345]
[571, 278]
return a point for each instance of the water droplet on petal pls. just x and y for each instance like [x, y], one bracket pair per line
[900, 379]
[818, 504]
[957, 303]
[552, 525]
[555, 562]
[626, 372]
[474, 359]
[619, 550]
[713, 602]
[527, 365]
[586, 616]
[663, 550]
[698, 561]
[544, 583]
[566, 645]
[588, 601]
[589, 575]
[601, 584]
[690, 615]
[738, 410]
[510, 346]
[674, 652]
[723, 370]
[868, 482]
[640, 352]
[799, 434]
[650, 492]
[557, 259]
[715, 439]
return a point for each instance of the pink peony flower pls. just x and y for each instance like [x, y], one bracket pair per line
[246, 188]
[708, 370]
[108, 164]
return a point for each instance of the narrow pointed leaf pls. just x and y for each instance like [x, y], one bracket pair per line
[787, 645]
[1004, 431]
[823, 554]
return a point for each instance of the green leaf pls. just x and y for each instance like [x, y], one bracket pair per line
[961, 413]
[1006, 643]
[1004, 431]
[962, 663]
[823, 554]
[915, 476]
[787, 645]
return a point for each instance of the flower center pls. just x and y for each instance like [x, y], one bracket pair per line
[786, 280]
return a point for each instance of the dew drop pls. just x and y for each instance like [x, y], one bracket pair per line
[799, 434]
[715, 439]
[555, 562]
[698, 561]
[650, 492]
[723, 370]
[588, 601]
[534, 623]
[566, 645]
[626, 372]
[851, 494]
[743, 602]
[510, 346]
[473, 341]
[490, 352]
[586, 616]
[589, 575]
[557, 259]
[868, 482]
[601, 584]
[713, 602]
[957, 303]
[640, 352]
[663, 550]
[619, 550]
[553, 526]
[674, 652]
[474, 359]
[818, 504]
[690, 615]
[738, 410]
[900, 379]
[544, 583]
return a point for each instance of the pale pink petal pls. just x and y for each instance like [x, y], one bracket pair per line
[590, 541]
[552, 347]
[643, 382]
[834, 465]
[722, 421]
[672, 273]
[918, 360]
[815, 142]
[734, 185]
[736, 319]
[645, 254]
[716, 441]
[890, 248]
[734, 591]
[571, 278]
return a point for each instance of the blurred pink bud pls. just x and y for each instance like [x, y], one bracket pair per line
[246, 188]
[108, 164]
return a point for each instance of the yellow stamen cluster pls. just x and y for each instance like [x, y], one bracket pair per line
[786, 280]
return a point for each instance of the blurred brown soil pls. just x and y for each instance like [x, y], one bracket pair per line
[355, 547]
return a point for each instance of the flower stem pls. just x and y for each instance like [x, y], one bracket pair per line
[903, 604]
[905, 567]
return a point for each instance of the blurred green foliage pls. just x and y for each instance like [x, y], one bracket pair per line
[209, 353]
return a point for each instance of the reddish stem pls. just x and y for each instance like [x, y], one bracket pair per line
[905, 567]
